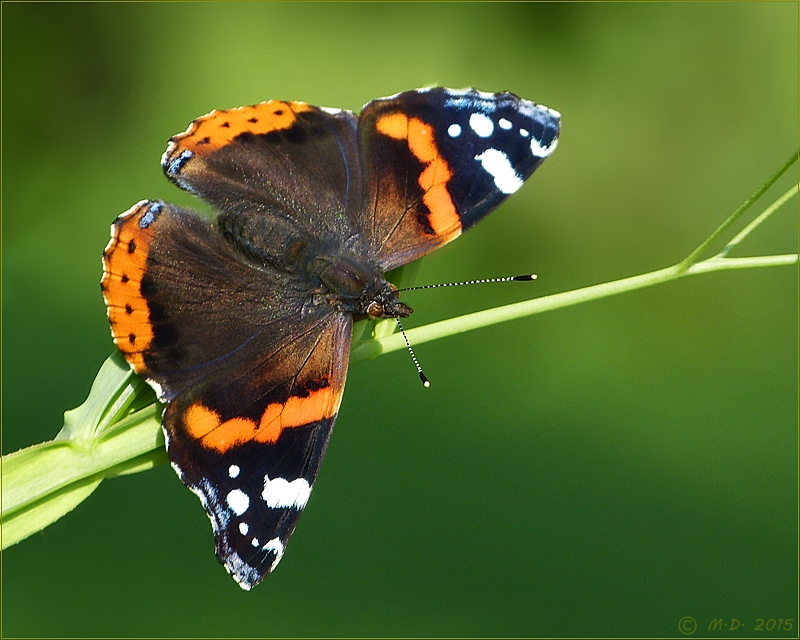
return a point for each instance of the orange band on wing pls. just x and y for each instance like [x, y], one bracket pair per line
[421, 142]
[219, 128]
[443, 218]
[206, 425]
[394, 125]
[124, 262]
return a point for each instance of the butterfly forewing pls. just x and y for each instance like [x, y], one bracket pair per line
[435, 162]
[254, 468]
[252, 387]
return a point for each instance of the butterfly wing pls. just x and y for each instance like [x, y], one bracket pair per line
[279, 172]
[252, 373]
[436, 161]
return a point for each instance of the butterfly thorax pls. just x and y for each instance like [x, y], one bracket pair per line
[353, 285]
[336, 272]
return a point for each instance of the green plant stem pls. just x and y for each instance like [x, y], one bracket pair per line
[371, 348]
[45, 481]
[759, 220]
[692, 257]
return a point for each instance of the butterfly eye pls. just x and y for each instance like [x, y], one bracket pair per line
[375, 310]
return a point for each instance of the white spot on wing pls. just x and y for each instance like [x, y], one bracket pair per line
[276, 546]
[238, 501]
[542, 152]
[497, 164]
[481, 124]
[167, 153]
[233, 471]
[244, 528]
[255, 542]
[459, 92]
[504, 124]
[331, 110]
[524, 133]
[280, 493]
[157, 388]
[454, 130]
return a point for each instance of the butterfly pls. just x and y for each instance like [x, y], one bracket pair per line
[243, 324]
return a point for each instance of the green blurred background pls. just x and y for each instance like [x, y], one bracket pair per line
[602, 470]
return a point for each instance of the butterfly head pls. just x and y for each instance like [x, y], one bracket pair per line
[385, 303]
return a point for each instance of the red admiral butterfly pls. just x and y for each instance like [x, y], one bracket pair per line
[242, 326]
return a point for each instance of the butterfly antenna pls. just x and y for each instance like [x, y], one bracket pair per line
[425, 382]
[524, 278]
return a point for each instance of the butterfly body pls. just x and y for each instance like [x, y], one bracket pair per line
[243, 324]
